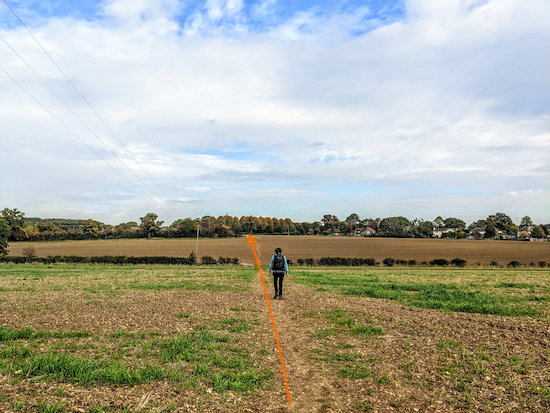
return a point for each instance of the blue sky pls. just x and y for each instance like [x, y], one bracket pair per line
[292, 109]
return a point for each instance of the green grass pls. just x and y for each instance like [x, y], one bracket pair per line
[460, 290]
[199, 358]
[99, 279]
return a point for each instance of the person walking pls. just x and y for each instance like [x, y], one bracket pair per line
[279, 267]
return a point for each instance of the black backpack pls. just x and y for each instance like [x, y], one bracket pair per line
[278, 263]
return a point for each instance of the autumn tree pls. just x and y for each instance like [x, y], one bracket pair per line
[149, 226]
[538, 232]
[91, 228]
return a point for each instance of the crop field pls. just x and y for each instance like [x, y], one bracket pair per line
[475, 252]
[84, 338]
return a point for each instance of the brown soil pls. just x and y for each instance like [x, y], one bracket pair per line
[409, 354]
[481, 252]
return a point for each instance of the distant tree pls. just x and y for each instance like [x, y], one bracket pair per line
[16, 222]
[353, 220]
[4, 234]
[454, 223]
[398, 227]
[500, 221]
[149, 226]
[91, 228]
[490, 230]
[439, 221]
[185, 227]
[330, 222]
[526, 221]
[343, 227]
[538, 232]
[426, 228]
[524, 234]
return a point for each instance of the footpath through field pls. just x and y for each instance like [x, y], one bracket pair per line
[351, 354]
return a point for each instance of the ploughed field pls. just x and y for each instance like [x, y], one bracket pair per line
[84, 338]
[475, 252]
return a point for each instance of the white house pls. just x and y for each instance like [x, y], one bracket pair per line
[438, 232]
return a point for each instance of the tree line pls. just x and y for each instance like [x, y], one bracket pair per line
[14, 226]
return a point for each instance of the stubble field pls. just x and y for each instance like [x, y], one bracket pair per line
[294, 247]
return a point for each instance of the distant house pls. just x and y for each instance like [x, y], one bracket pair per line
[527, 228]
[363, 232]
[134, 228]
[478, 231]
[438, 232]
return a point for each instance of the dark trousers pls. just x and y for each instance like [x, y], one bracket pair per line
[278, 279]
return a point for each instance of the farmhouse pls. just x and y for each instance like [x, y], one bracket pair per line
[363, 232]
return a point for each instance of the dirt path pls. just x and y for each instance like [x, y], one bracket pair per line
[306, 379]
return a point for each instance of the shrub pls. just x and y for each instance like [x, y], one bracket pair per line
[439, 262]
[542, 264]
[310, 262]
[208, 260]
[235, 261]
[494, 264]
[224, 261]
[300, 262]
[389, 262]
[346, 262]
[513, 264]
[458, 262]
[403, 263]
[29, 253]
[412, 263]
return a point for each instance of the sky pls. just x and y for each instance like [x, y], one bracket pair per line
[415, 108]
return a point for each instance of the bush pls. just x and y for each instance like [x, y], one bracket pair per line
[310, 262]
[235, 261]
[402, 263]
[458, 262]
[107, 259]
[389, 262]
[300, 262]
[542, 264]
[439, 262]
[347, 262]
[224, 261]
[208, 260]
[412, 263]
[493, 264]
[513, 264]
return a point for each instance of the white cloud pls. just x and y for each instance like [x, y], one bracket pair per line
[454, 96]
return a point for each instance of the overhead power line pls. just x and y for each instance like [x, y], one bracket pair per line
[93, 110]
[80, 139]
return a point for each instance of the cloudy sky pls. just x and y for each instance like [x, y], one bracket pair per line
[275, 108]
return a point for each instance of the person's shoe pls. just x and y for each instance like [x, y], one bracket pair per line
[276, 295]
[280, 297]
